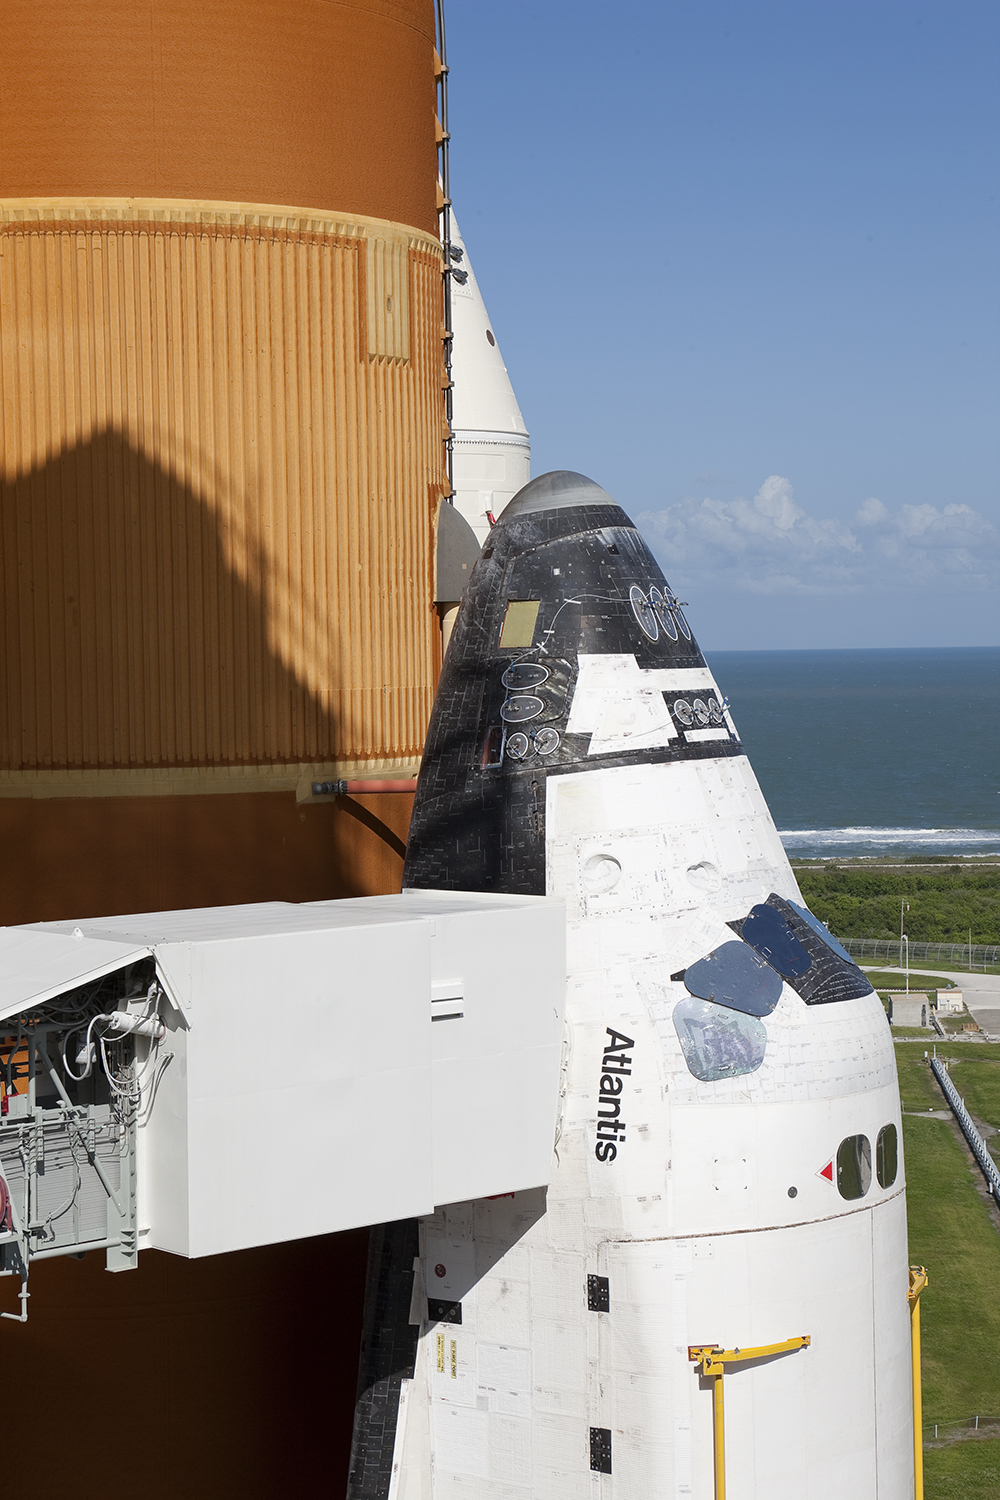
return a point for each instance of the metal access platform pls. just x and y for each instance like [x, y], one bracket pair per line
[211, 1080]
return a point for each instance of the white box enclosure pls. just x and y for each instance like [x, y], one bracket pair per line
[321, 1066]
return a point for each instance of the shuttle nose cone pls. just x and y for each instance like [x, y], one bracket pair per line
[556, 491]
[567, 645]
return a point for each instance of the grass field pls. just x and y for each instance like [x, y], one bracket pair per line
[964, 1471]
[881, 979]
[951, 1233]
[978, 1081]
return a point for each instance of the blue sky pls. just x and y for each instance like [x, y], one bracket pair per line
[741, 259]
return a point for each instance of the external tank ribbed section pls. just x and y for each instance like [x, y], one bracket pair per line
[221, 457]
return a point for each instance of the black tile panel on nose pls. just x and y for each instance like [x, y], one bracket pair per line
[565, 575]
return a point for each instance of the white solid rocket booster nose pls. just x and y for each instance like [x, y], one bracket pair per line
[491, 446]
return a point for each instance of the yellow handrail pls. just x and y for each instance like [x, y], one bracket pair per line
[712, 1361]
[918, 1282]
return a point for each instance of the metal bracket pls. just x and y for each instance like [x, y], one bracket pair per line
[918, 1283]
[712, 1361]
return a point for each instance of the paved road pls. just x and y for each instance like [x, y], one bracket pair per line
[981, 993]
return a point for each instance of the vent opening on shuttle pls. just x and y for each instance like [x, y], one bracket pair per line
[75, 1074]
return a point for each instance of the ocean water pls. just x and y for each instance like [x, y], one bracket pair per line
[872, 752]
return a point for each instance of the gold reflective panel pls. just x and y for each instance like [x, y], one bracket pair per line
[518, 629]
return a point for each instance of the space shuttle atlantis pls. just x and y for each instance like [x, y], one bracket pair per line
[623, 1113]
[713, 1285]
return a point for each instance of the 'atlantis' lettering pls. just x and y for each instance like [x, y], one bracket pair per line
[616, 1066]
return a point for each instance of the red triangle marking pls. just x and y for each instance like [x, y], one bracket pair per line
[827, 1171]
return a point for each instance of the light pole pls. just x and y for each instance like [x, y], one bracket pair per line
[903, 906]
[906, 942]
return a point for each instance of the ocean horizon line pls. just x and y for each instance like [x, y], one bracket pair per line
[875, 831]
[838, 650]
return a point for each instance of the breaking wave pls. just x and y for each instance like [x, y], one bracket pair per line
[817, 843]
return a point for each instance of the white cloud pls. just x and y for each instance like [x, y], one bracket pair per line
[774, 500]
[771, 545]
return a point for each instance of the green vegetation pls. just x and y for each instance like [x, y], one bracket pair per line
[918, 1087]
[978, 1081]
[879, 979]
[963, 1471]
[944, 904]
[955, 1025]
[951, 1233]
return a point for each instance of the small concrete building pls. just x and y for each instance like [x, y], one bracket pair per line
[911, 1009]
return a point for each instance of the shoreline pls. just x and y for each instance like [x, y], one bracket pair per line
[896, 861]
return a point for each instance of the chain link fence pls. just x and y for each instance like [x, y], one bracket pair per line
[958, 1428]
[961, 955]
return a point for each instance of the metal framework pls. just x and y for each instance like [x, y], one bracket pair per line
[918, 1282]
[68, 1168]
[711, 1361]
[451, 253]
[976, 1143]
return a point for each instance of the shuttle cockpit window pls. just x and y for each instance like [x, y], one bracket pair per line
[887, 1156]
[718, 1043]
[854, 1166]
[735, 976]
[821, 930]
[799, 948]
[766, 930]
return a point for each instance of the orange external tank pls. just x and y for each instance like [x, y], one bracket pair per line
[221, 458]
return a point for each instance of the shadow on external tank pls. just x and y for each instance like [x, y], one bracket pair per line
[138, 632]
[141, 621]
[139, 625]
